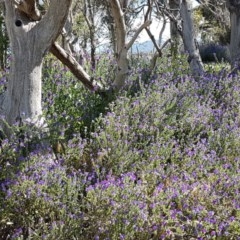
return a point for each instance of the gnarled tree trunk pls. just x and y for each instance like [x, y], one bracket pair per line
[30, 39]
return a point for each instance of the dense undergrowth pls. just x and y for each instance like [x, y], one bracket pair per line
[161, 161]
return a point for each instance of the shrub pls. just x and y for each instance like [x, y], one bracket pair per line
[68, 106]
[214, 53]
[162, 163]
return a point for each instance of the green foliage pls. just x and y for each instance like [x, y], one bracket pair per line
[178, 65]
[214, 26]
[216, 67]
[80, 26]
[4, 43]
[68, 106]
[3, 80]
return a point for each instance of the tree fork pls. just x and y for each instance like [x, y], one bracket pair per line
[29, 8]
[22, 98]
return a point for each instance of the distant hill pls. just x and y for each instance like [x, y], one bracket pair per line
[144, 47]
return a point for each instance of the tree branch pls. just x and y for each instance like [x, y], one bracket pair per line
[162, 31]
[74, 66]
[120, 26]
[147, 16]
[139, 30]
[167, 12]
[53, 21]
[158, 54]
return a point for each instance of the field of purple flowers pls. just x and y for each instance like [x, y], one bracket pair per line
[161, 161]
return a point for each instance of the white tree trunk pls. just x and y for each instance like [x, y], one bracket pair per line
[122, 46]
[23, 95]
[29, 42]
[120, 33]
[189, 41]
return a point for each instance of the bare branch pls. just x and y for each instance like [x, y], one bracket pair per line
[147, 16]
[162, 31]
[139, 30]
[163, 9]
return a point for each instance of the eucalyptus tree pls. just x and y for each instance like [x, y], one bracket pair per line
[171, 8]
[189, 39]
[33, 30]
[182, 24]
[90, 11]
[118, 7]
[121, 12]
[132, 10]
[31, 36]
[74, 33]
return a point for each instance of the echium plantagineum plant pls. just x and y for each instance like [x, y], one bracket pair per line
[181, 139]
[160, 164]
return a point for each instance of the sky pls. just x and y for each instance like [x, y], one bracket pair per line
[156, 28]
